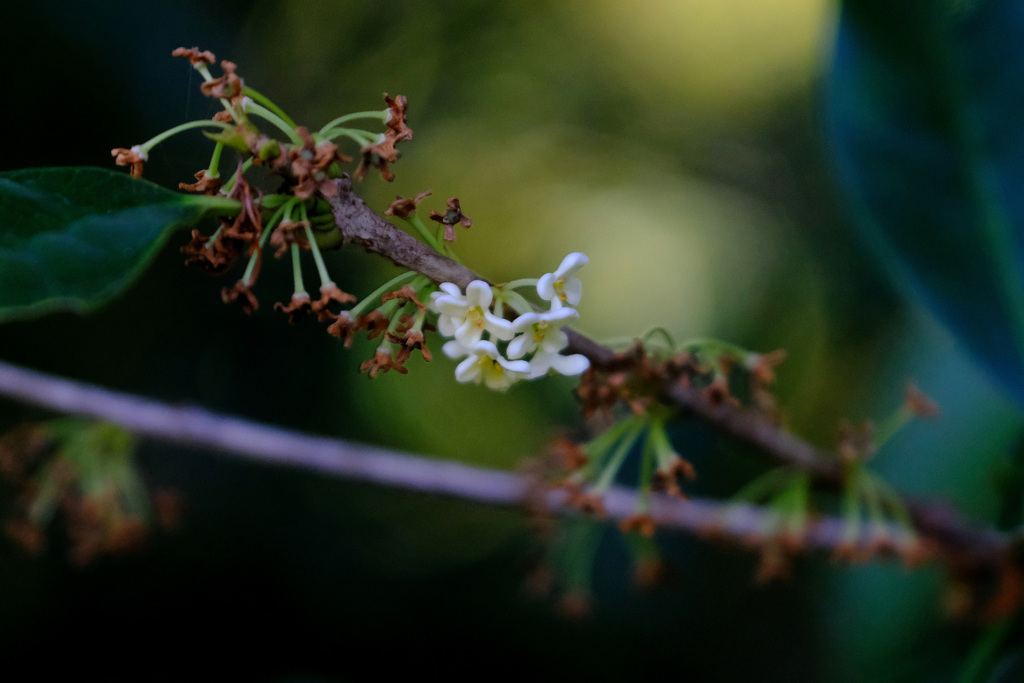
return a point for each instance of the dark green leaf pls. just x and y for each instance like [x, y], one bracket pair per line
[72, 238]
[926, 120]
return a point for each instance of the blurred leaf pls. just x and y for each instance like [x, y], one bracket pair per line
[72, 238]
[925, 106]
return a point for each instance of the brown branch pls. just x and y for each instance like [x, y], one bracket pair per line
[940, 524]
[361, 225]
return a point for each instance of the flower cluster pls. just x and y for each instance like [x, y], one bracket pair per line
[534, 341]
[294, 218]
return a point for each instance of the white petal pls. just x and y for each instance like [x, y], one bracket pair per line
[515, 366]
[478, 293]
[486, 348]
[468, 334]
[525, 321]
[449, 305]
[520, 346]
[554, 341]
[561, 316]
[575, 364]
[573, 289]
[468, 370]
[454, 350]
[570, 264]
[499, 327]
[446, 326]
[546, 287]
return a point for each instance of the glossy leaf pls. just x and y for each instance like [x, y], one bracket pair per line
[72, 238]
[926, 123]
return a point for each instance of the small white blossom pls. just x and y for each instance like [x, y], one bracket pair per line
[545, 362]
[137, 149]
[467, 316]
[541, 331]
[559, 287]
[485, 364]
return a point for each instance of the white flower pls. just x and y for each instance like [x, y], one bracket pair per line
[541, 331]
[558, 287]
[467, 317]
[485, 364]
[545, 362]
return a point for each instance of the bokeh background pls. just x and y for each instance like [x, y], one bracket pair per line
[680, 145]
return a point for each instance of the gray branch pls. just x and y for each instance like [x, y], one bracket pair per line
[250, 441]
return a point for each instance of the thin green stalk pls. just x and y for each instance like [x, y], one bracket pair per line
[154, 141]
[269, 104]
[300, 288]
[417, 223]
[617, 458]
[362, 137]
[374, 297]
[321, 267]
[214, 167]
[661, 331]
[892, 425]
[516, 301]
[264, 113]
[379, 114]
[522, 282]
[647, 472]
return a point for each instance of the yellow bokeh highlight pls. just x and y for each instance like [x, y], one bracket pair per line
[717, 53]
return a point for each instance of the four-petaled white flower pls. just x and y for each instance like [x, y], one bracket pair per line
[559, 287]
[541, 331]
[467, 316]
[485, 364]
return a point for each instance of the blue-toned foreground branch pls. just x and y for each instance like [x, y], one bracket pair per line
[246, 440]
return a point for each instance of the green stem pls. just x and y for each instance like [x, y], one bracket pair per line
[321, 267]
[212, 203]
[516, 301]
[599, 446]
[647, 471]
[300, 288]
[153, 142]
[269, 104]
[362, 138]
[661, 331]
[415, 222]
[214, 168]
[374, 297]
[379, 114]
[264, 113]
[617, 458]
[230, 184]
[522, 282]
[892, 425]
[267, 229]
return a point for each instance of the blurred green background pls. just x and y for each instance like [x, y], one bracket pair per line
[679, 145]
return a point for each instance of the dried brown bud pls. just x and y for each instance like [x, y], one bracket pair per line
[403, 208]
[241, 293]
[194, 55]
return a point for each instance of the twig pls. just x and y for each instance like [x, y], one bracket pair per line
[940, 524]
[196, 427]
